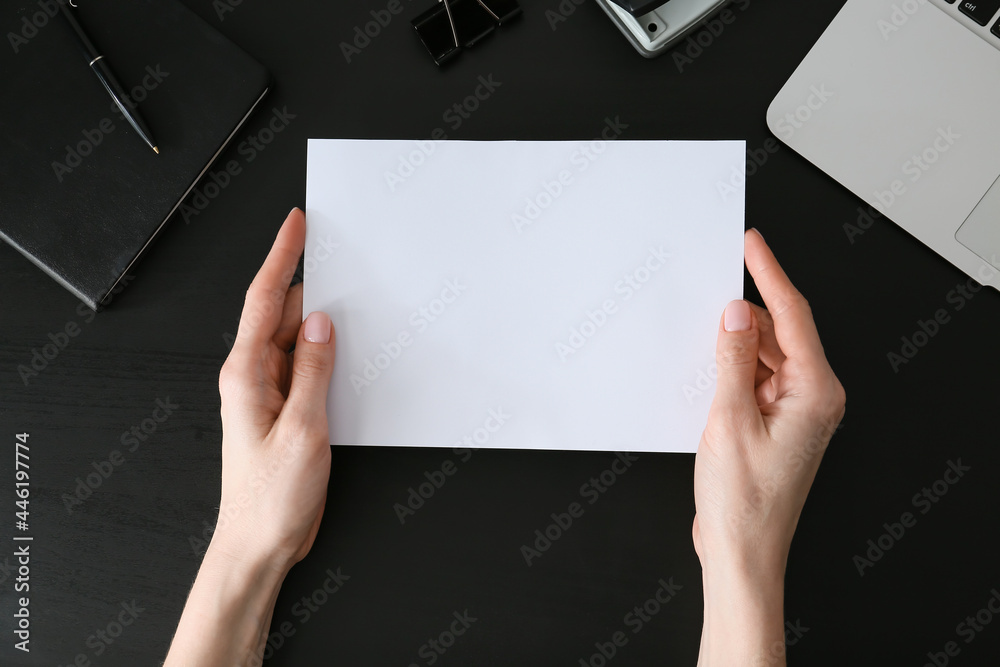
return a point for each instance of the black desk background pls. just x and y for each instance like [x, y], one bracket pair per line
[165, 337]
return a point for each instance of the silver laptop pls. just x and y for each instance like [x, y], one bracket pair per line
[899, 101]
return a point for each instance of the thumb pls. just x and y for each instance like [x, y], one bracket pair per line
[312, 367]
[736, 358]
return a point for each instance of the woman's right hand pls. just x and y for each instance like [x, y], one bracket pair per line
[777, 404]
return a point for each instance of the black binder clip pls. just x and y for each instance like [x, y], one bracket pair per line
[450, 25]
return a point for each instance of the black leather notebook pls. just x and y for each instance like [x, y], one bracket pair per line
[81, 194]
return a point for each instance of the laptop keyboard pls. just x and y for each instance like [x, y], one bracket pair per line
[983, 12]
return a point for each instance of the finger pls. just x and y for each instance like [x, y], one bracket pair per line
[766, 392]
[291, 319]
[794, 328]
[763, 373]
[266, 296]
[736, 359]
[311, 371]
[770, 353]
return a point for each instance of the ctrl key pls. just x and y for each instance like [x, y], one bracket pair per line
[980, 11]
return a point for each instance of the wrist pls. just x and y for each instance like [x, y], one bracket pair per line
[245, 556]
[744, 614]
[753, 567]
[228, 612]
[763, 589]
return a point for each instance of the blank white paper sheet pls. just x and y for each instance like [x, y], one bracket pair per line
[521, 294]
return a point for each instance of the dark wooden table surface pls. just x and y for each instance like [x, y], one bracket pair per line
[125, 431]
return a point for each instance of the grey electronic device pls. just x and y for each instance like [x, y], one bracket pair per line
[653, 32]
[898, 102]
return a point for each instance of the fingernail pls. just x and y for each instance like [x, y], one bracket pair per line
[294, 209]
[317, 328]
[758, 233]
[737, 317]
